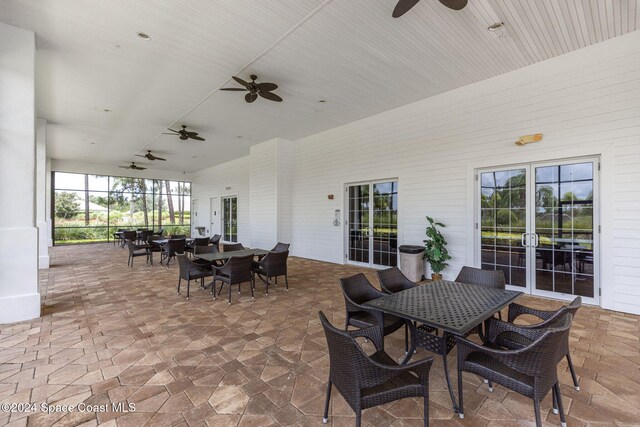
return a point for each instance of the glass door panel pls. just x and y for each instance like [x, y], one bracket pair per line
[564, 225]
[385, 223]
[359, 223]
[537, 225]
[503, 217]
[372, 228]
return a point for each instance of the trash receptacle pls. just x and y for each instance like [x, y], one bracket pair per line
[411, 263]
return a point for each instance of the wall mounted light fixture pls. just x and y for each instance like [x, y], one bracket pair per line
[528, 139]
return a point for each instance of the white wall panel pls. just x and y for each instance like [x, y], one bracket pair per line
[586, 103]
[263, 220]
[227, 179]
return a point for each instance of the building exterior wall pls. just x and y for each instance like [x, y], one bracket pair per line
[586, 103]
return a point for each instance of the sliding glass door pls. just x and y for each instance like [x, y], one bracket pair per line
[537, 223]
[372, 224]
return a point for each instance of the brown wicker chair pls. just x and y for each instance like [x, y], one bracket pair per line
[215, 240]
[356, 291]
[171, 249]
[232, 247]
[177, 236]
[143, 235]
[486, 278]
[274, 264]
[128, 235]
[235, 271]
[117, 236]
[368, 381]
[211, 249]
[391, 281]
[198, 241]
[531, 370]
[189, 271]
[281, 247]
[514, 341]
[138, 250]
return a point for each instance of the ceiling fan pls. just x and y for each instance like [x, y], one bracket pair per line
[403, 6]
[150, 156]
[133, 166]
[184, 134]
[256, 89]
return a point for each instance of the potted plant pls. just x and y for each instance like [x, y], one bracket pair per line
[435, 249]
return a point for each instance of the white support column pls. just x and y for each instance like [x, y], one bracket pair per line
[19, 297]
[47, 202]
[41, 194]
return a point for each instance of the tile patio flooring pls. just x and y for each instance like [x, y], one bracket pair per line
[111, 334]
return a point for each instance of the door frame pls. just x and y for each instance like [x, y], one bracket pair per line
[213, 209]
[227, 196]
[345, 222]
[530, 289]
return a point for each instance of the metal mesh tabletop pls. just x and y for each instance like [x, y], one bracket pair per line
[221, 256]
[450, 306]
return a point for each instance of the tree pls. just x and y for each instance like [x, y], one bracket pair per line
[172, 215]
[66, 205]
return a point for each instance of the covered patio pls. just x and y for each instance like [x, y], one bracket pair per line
[109, 334]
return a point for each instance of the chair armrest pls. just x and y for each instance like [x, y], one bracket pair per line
[516, 310]
[519, 360]
[497, 327]
[220, 269]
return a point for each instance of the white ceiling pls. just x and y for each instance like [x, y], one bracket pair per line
[350, 53]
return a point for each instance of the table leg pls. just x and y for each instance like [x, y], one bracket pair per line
[412, 348]
[446, 370]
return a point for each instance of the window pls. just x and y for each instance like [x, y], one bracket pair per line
[91, 208]
[230, 219]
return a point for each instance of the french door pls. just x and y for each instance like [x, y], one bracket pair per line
[538, 223]
[372, 223]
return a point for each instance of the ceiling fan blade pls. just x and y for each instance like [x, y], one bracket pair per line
[242, 82]
[173, 130]
[196, 137]
[191, 133]
[239, 89]
[270, 96]
[250, 97]
[454, 4]
[124, 167]
[267, 87]
[403, 7]
[159, 158]
[141, 155]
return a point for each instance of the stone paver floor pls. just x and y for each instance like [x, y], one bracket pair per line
[109, 334]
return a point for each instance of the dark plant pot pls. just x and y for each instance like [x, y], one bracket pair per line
[436, 276]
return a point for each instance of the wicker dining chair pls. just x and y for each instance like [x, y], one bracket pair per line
[232, 247]
[487, 278]
[198, 241]
[281, 247]
[131, 235]
[368, 381]
[171, 249]
[549, 318]
[530, 371]
[356, 291]
[117, 236]
[189, 271]
[392, 280]
[138, 250]
[274, 264]
[215, 240]
[235, 271]
[211, 249]
[177, 236]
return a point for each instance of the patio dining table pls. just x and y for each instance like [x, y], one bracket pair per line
[222, 256]
[453, 308]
